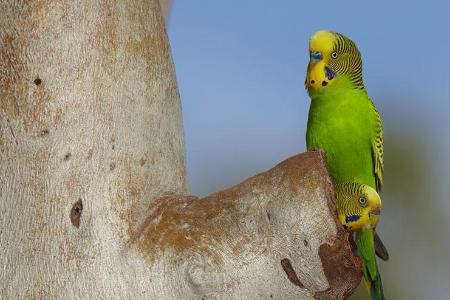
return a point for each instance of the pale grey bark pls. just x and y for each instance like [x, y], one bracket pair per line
[93, 187]
[165, 7]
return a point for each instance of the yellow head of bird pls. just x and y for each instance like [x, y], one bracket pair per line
[332, 56]
[359, 206]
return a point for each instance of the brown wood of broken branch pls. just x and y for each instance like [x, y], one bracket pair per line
[224, 223]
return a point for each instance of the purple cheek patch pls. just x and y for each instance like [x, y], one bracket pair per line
[329, 73]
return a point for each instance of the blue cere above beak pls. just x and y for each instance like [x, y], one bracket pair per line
[315, 55]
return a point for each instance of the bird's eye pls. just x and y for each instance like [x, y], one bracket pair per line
[362, 200]
[334, 55]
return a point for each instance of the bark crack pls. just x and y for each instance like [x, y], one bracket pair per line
[292, 276]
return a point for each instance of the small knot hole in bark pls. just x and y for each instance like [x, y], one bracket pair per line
[37, 81]
[67, 156]
[75, 213]
[43, 133]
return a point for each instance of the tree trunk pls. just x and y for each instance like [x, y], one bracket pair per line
[165, 7]
[93, 191]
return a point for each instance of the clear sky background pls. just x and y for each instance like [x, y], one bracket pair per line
[241, 66]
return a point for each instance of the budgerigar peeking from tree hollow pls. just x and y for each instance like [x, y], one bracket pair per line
[344, 122]
[359, 208]
[358, 205]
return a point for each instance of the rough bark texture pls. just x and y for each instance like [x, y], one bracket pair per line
[93, 184]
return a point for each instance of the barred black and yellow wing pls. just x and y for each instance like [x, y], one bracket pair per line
[378, 166]
[377, 150]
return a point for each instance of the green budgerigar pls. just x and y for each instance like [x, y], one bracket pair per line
[359, 208]
[344, 122]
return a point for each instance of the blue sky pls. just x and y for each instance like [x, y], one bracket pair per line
[240, 68]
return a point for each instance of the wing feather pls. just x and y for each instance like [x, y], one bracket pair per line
[377, 150]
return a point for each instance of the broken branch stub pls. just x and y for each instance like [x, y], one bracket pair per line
[273, 236]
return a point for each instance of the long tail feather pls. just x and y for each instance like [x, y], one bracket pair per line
[375, 288]
[372, 278]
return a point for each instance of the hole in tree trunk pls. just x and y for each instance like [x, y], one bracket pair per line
[67, 156]
[43, 132]
[75, 213]
[37, 81]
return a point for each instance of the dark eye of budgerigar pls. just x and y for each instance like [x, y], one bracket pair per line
[334, 54]
[362, 200]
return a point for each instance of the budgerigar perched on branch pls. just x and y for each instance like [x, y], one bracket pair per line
[344, 122]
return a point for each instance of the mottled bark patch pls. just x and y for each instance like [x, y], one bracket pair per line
[22, 96]
[182, 224]
[12, 69]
